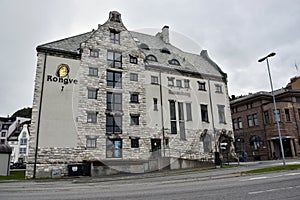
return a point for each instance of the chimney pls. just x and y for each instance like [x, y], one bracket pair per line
[165, 34]
[115, 16]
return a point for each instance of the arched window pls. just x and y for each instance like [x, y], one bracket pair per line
[165, 50]
[151, 58]
[144, 46]
[174, 62]
[207, 143]
[255, 142]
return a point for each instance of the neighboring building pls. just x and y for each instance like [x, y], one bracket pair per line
[5, 122]
[18, 140]
[118, 97]
[255, 128]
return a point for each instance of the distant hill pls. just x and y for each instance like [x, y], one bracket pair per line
[25, 112]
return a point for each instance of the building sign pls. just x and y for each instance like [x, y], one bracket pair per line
[62, 75]
[180, 93]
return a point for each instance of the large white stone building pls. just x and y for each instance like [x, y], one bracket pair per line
[119, 100]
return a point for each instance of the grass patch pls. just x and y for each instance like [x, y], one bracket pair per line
[273, 169]
[14, 175]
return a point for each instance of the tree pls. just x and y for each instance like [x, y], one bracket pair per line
[25, 112]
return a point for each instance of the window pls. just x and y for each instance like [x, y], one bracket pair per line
[155, 103]
[277, 115]
[93, 71]
[267, 117]
[173, 117]
[144, 46]
[255, 119]
[207, 143]
[235, 124]
[221, 112]
[174, 62]
[114, 101]
[170, 81]
[23, 141]
[113, 148]
[204, 113]
[165, 50]
[92, 117]
[133, 60]
[181, 121]
[234, 110]
[188, 111]
[240, 121]
[151, 58]
[22, 151]
[250, 121]
[134, 98]
[154, 80]
[91, 142]
[218, 88]
[134, 120]
[287, 115]
[113, 124]
[186, 83]
[114, 79]
[114, 37]
[201, 86]
[2, 141]
[178, 83]
[134, 77]
[3, 134]
[249, 105]
[114, 59]
[94, 53]
[299, 113]
[255, 143]
[135, 143]
[92, 93]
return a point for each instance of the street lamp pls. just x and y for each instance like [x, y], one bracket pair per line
[274, 102]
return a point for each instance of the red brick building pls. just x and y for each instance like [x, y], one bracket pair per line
[255, 128]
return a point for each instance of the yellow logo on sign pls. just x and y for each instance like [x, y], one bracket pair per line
[62, 70]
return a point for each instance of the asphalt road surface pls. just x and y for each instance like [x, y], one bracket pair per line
[280, 185]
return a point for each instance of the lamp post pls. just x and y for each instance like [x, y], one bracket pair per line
[274, 102]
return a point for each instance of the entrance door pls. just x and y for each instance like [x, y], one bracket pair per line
[155, 147]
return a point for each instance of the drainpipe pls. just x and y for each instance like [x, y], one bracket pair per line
[162, 114]
[212, 115]
[39, 118]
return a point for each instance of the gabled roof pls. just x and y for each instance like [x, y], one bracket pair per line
[197, 64]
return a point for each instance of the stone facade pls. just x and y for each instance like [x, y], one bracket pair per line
[128, 99]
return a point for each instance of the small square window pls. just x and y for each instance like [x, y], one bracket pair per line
[178, 83]
[134, 98]
[93, 71]
[134, 120]
[201, 86]
[92, 117]
[134, 77]
[170, 81]
[218, 88]
[92, 94]
[94, 53]
[186, 83]
[91, 142]
[154, 80]
[135, 143]
[133, 60]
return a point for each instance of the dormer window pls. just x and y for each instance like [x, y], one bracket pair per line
[144, 46]
[174, 62]
[151, 58]
[165, 50]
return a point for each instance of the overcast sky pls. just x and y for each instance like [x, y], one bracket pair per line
[235, 33]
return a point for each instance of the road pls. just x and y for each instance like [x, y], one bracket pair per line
[279, 185]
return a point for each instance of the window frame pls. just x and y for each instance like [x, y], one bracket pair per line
[114, 59]
[204, 113]
[112, 103]
[93, 71]
[134, 119]
[134, 77]
[114, 83]
[92, 93]
[154, 80]
[201, 86]
[115, 126]
[92, 117]
[114, 36]
[91, 142]
[94, 53]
